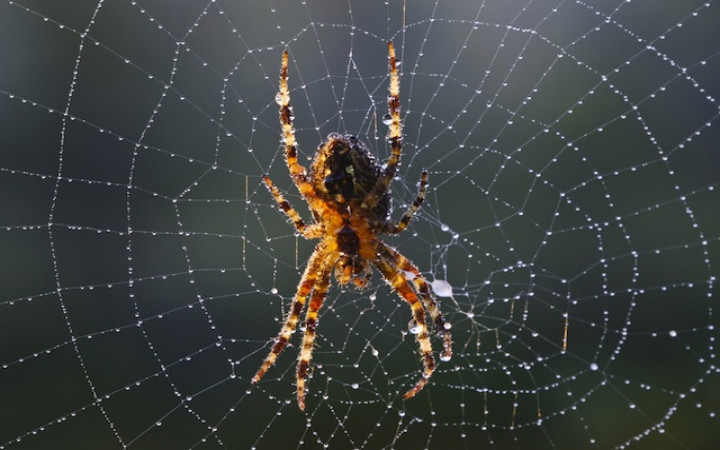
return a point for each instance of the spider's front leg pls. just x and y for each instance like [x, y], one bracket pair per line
[307, 282]
[399, 283]
[311, 320]
[442, 328]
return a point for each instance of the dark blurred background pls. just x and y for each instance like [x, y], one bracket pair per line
[574, 172]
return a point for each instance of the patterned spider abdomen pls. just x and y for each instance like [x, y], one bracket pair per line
[347, 171]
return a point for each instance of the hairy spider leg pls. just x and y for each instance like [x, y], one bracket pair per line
[297, 171]
[307, 282]
[394, 134]
[399, 283]
[311, 321]
[441, 327]
[410, 213]
[309, 232]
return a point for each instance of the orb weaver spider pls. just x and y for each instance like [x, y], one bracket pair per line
[348, 195]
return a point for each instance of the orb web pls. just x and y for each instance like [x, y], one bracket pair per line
[570, 230]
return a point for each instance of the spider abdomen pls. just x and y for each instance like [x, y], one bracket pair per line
[344, 172]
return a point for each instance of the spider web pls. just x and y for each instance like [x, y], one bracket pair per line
[571, 228]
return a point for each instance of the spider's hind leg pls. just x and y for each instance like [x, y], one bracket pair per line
[297, 171]
[394, 135]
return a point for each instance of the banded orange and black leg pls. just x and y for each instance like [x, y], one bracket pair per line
[394, 133]
[412, 209]
[399, 283]
[308, 232]
[422, 287]
[297, 171]
[311, 321]
[307, 283]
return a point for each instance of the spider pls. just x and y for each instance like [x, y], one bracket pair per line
[349, 196]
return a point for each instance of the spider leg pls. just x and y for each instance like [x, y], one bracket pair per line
[307, 282]
[297, 171]
[307, 231]
[442, 327]
[399, 282]
[394, 133]
[410, 213]
[311, 320]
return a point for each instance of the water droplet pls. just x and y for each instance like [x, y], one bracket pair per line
[445, 357]
[414, 327]
[442, 288]
[387, 119]
[594, 366]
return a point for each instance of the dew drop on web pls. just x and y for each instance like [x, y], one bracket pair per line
[442, 288]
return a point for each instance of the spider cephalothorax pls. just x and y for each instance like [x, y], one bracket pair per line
[349, 197]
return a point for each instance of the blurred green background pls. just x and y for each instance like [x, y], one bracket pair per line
[574, 171]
